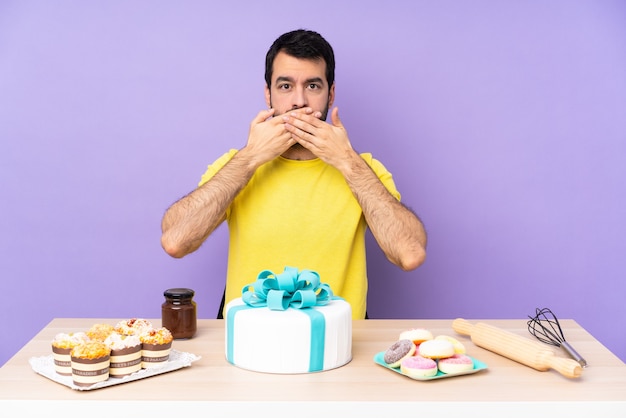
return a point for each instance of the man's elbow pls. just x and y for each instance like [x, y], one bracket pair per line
[171, 247]
[412, 259]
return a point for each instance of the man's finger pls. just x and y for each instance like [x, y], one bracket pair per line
[263, 115]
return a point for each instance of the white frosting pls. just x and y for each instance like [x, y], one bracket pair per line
[134, 326]
[118, 342]
[280, 341]
[69, 340]
[436, 349]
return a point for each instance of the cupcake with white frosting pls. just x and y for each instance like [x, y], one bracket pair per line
[125, 354]
[62, 344]
[133, 326]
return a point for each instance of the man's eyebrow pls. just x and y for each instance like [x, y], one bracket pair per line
[284, 78]
[280, 79]
[315, 80]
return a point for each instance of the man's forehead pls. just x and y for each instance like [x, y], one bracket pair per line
[287, 66]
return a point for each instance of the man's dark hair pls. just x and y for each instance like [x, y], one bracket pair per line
[304, 44]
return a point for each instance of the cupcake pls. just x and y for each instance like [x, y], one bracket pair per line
[90, 363]
[62, 345]
[134, 326]
[156, 345]
[125, 354]
[100, 332]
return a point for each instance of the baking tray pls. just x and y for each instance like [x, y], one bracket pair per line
[45, 366]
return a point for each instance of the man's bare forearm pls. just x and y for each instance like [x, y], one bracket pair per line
[398, 231]
[189, 221]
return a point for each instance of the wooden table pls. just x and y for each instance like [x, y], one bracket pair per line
[213, 386]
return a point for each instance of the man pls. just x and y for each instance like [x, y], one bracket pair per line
[297, 194]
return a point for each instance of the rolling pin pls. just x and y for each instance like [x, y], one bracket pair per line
[515, 347]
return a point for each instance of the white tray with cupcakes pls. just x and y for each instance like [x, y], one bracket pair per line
[107, 355]
[420, 355]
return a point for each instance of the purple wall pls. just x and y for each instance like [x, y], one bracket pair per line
[503, 123]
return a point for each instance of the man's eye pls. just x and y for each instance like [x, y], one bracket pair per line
[283, 87]
[314, 86]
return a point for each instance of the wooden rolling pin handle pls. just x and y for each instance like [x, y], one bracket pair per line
[516, 347]
[567, 367]
[462, 326]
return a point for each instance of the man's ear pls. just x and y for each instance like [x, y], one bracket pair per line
[268, 97]
[331, 96]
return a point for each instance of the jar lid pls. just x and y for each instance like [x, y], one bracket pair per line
[179, 292]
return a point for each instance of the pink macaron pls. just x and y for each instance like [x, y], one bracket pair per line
[418, 366]
[458, 363]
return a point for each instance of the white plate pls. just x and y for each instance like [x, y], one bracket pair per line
[45, 367]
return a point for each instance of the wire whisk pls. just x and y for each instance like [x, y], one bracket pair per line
[546, 328]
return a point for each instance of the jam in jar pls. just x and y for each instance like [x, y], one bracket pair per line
[178, 313]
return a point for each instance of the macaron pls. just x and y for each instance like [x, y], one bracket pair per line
[418, 367]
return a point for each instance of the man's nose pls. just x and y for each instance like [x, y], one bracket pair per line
[299, 98]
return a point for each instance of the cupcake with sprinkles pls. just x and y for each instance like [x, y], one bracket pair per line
[62, 345]
[125, 354]
[156, 346]
[133, 326]
[90, 363]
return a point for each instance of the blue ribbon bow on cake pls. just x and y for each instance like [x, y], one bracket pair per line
[288, 289]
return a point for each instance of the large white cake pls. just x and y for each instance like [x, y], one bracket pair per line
[289, 341]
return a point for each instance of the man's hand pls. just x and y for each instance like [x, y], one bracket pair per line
[267, 138]
[329, 142]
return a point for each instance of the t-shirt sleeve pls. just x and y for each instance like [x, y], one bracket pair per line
[216, 166]
[383, 174]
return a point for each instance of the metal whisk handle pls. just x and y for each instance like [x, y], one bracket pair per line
[570, 350]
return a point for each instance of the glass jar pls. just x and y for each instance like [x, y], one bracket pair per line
[178, 313]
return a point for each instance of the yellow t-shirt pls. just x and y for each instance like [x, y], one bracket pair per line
[299, 214]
